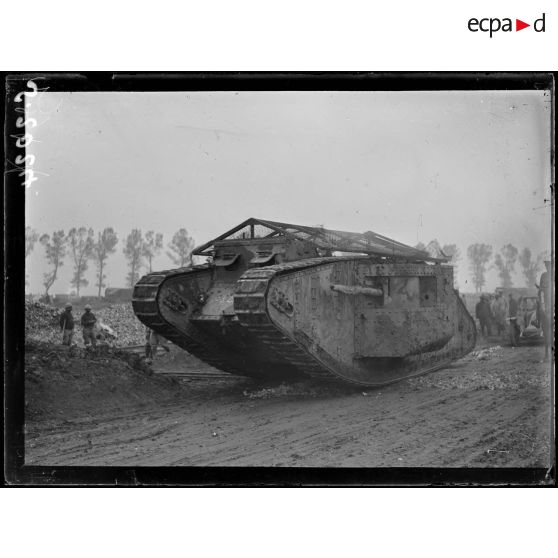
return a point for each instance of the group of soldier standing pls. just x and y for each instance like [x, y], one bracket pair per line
[493, 312]
[88, 321]
[67, 326]
[498, 315]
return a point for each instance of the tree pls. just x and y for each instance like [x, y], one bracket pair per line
[152, 246]
[433, 248]
[31, 238]
[181, 248]
[479, 255]
[453, 252]
[55, 249]
[133, 253]
[81, 246]
[105, 245]
[505, 263]
[530, 267]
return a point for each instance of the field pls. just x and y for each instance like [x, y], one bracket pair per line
[492, 408]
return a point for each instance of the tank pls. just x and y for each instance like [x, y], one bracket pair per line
[283, 301]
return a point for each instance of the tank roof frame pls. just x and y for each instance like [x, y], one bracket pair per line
[369, 243]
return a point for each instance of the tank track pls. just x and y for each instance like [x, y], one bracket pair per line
[259, 323]
[250, 308]
[202, 346]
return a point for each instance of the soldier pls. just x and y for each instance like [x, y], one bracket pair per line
[544, 310]
[544, 286]
[67, 325]
[88, 321]
[152, 341]
[500, 311]
[148, 345]
[482, 313]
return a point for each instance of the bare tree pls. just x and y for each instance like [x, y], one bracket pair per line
[133, 253]
[454, 253]
[181, 248]
[433, 248]
[55, 249]
[81, 243]
[505, 263]
[479, 255]
[31, 238]
[530, 267]
[152, 246]
[105, 245]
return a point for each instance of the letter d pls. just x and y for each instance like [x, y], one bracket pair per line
[535, 25]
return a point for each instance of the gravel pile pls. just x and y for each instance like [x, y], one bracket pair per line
[492, 368]
[515, 380]
[42, 323]
[302, 389]
[488, 353]
[122, 319]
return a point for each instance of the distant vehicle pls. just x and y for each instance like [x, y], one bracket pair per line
[528, 320]
[118, 295]
[275, 301]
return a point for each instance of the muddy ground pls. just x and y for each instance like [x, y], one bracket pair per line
[491, 408]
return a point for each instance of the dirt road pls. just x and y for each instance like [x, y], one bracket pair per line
[489, 409]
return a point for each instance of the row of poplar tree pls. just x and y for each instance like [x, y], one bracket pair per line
[482, 258]
[84, 246]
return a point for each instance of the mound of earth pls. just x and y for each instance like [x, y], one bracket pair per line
[63, 383]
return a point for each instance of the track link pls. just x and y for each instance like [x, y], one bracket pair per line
[256, 319]
[251, 311]
[146, 308]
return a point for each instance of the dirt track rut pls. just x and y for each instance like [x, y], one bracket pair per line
[493, 412]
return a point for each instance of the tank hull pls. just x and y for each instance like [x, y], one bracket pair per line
[349, 319]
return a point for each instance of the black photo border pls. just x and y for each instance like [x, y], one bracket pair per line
[18, 474]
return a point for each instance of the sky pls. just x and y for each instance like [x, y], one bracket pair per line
[457, 166]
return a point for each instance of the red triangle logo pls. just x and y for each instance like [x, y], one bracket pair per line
[519, 25]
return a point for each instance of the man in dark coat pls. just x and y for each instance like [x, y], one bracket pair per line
[483, 315]
[88, 321]
[544, 287]
[67, 325]
[544, 310]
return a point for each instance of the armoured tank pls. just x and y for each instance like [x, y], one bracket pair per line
[277, 300]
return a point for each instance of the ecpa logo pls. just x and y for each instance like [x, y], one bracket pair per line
[494, 24]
